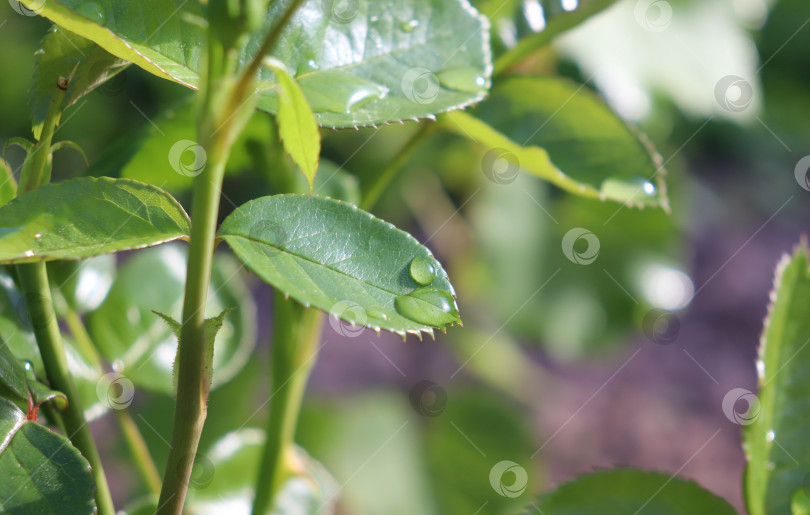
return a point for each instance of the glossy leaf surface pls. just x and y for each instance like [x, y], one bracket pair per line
[363, 63]
[86, 217]
[42, 472]
[564, 134]
[342, 260]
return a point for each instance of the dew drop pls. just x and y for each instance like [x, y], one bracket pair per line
[29, 253]
[92, 11]
[379, 315]
[428, 306]
[345, 93]
[770, 436]
[466, 79]
[118, 366]
[29, 367]
[422, 271]
[409, 26]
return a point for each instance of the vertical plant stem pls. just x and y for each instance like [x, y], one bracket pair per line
[296, 336]
[34, 282]
[226, 109]
[384, 178]
[132, 435]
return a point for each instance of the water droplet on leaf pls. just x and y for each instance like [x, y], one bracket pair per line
[409, 26]
[428, 306]
[422, 271]
[465, 79]
[377, 314]
[92, 11]
[339, 92]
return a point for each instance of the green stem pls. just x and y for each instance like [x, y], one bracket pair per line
[34, 281]
[384, 178]
[39, 303]
[132, 435]
[295, 346]
[225, 112]
[558, 24]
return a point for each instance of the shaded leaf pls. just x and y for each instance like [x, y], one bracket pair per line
[342, 260]
[365, 63]
[127, 331]
[296, 123]
[632, 491]
[564, 134]
[230, 466]
[8, 185]
[86, 217]
[12, 372]
[66, 55]
[42, 472]
[775, 437]
[59, 145]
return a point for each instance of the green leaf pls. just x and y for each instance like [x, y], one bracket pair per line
[363, 63]
[86, 217]
[342, 260]
[564, 134]
[12, 372]
[66, 55]
[8, 186]
[143, 154]
[128, 333]
[71, 145]
[226, 478]
[775, 434]
[42, 472]
[632, 491]
[296, 123]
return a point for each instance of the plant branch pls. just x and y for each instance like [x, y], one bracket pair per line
[132, 435]
[296, 335]
[39, 303]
